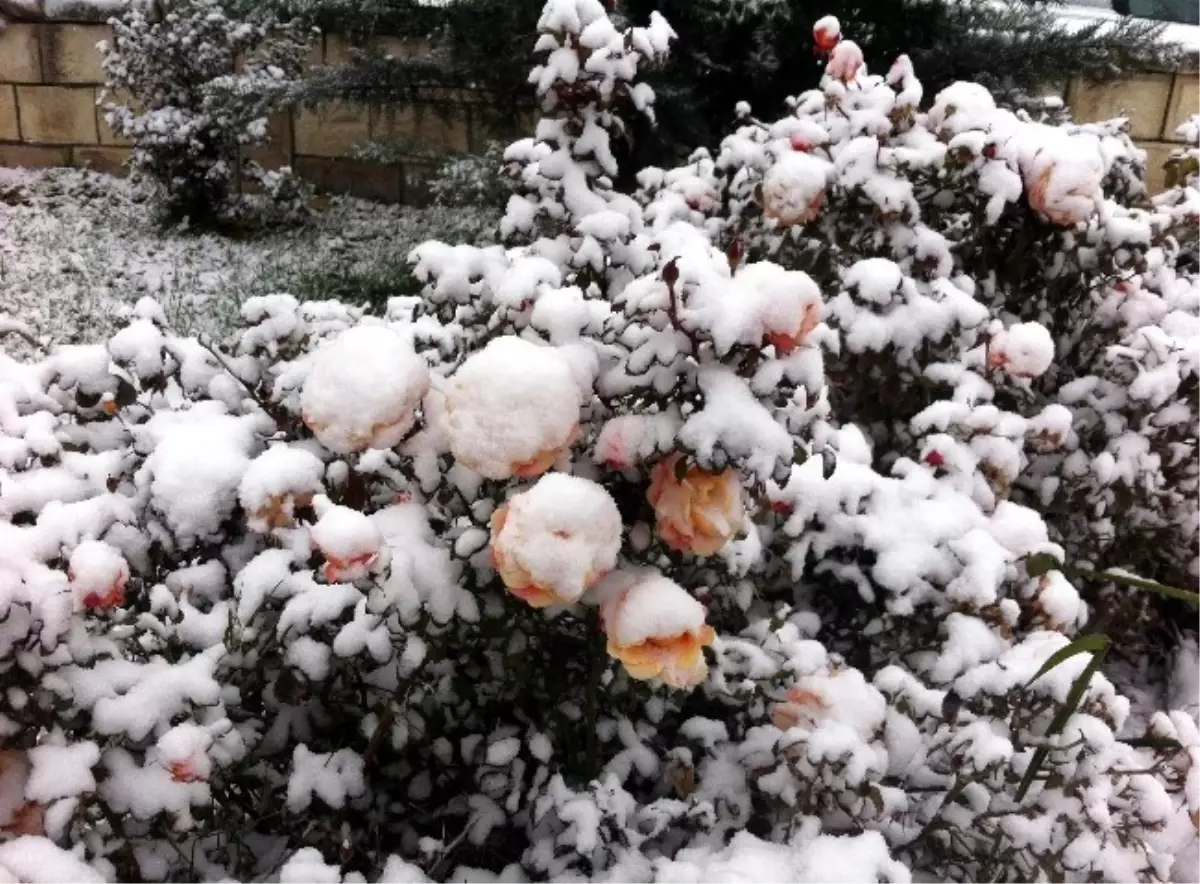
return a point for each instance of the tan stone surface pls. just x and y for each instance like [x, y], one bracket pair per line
[1185, 98]
[435, 128]
[20, 58]
[401, 47]
[110, 160]
[69, 53]
[315, 57]
[58, 114]
[10, 130]
[339, 50]
[1156, 155]
[351, 176]
[28, 156]
[114, 96]
[332, 130]
[1142, 98]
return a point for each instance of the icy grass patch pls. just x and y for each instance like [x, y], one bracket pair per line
[77, 248]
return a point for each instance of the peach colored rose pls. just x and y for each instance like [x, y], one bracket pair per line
[802, 707]
[350, 543]
[844, 61]
[1063, 181]
[793, 189]
[786, 342]
[543, 460]
[699, 513]
[552, 543]
[657, 630]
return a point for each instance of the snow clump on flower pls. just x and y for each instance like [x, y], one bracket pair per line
[510, 409]
[554, 541]
[656, 629]
[363, 390]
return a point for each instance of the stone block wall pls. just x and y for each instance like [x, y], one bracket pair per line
[51, 80]
[1155, 103]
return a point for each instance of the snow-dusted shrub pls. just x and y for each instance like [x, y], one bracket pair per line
[474, 180]
[593, 561]
[192, 86]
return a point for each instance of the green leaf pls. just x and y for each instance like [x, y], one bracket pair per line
[681, 469]
[799, 454]
[1041, 563]
[1094, 644]
[1074, 697]
[828, 462]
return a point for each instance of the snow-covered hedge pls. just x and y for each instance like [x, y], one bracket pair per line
[708, 533]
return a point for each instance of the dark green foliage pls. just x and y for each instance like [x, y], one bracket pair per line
[734, 50]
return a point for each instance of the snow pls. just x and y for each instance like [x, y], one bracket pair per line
[61, 771]
[363, 390]
[650, 606]
[510, 408]
[98, 574]
[276, 482]
[560, 536]
[1023, 350]
[350, 542]
[37, 860]
[193, 474]
[794, 189]
[333, 777]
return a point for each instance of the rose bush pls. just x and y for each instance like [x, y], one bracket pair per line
[678, 538]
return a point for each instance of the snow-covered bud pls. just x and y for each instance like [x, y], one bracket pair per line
[1023, 350]
[793, 190]
[349, 541]
[510, 409]
[363, 390]
[276, 482]
[1062, 180]
[183, 750]
[657, 630]
[827, 33]
[844, 697]
[98, 574]
[844, 61]
[697, 513]
[550, 544]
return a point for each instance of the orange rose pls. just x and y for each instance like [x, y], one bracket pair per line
[699, 513]
[350, 543]
[552, 543]
[657, 630]
[802, 707]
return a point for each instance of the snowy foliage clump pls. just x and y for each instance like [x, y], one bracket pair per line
[730, 530]
[192, 88]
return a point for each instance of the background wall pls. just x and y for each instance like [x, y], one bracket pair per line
[51, 79]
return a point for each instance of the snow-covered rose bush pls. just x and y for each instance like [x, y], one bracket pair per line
[739, 528]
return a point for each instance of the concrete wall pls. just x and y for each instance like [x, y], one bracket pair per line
[50, 80]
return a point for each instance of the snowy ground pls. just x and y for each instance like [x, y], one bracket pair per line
[76, 247]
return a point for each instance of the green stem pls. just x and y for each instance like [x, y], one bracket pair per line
[595, 641]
